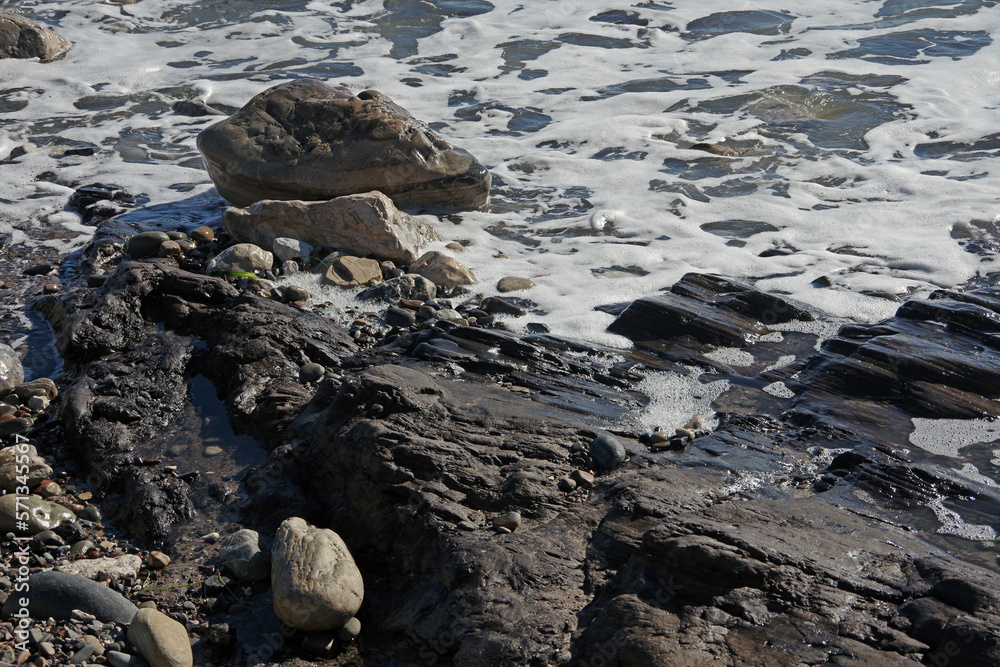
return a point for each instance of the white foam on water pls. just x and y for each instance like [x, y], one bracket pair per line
[952, 523]
[946, 437]
[676, 398]
[598, 196]
[731, 356]
[779, 389]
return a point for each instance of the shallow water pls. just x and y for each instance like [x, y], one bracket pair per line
[864, 132]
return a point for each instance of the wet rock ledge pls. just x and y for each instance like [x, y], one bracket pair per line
[505, 502]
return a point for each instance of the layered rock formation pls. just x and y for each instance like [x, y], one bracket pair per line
[779, 537]
[305, 140]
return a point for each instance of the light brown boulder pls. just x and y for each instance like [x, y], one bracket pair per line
[160, 639]
[240, 258]
[443, 270]
[349, 271]
[361, 224]
[306, 140]
[21, 38]
[315, 581]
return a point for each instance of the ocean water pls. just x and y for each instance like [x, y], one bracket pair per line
[864, 133]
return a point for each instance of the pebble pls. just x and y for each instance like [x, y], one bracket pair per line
[510, 521]
[203, 234]
[38, 403]
[311, 372]
[350, 631]
[566, 484]
[48, 489]
[467, 525]
[96, 279]
[606, 452]
[157, 560]
[146, 244]
[169, 249]
[90, 513]
[295, 293]
[400, 317]
[514, 284]
[582, 478]
[50, 288]
[213, 450]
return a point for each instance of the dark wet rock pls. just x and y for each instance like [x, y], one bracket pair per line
[56, 594]
[194, 108]
[365, 224]
[305, 140]
[131, 377]
[935, 359]
[720, 552]
[97, 202]
[408, 286]
[400, 317]
[23, 38]
[709, 309]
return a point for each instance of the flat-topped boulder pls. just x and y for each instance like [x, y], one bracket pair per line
[306, 140]
[360, 224]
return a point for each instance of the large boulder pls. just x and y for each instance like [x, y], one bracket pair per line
[306, 140]
[21, 38]
[361, 224]
[316, 584]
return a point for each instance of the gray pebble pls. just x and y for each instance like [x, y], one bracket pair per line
[606, 452]
[311, 372]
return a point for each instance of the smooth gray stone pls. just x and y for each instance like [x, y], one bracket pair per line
[606, 452]
[56, 594]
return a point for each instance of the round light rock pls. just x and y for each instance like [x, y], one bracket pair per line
[514, 284]
[315, 581]
[160, 639]
[240, 258]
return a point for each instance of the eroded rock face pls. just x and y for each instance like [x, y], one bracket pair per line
[317, 586]
[21, 38]
[306, 140]
[366, 224]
